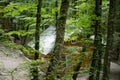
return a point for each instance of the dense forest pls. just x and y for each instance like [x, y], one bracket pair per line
[59, 40]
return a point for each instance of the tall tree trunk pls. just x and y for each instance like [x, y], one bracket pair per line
[53, 70]
[116, 54]
[96, 60]
[56, 12]
[37, 33]
[109, 46]
[37, 36]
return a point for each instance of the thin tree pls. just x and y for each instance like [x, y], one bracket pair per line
[37, 32]
[55, 61]
[116, 54]
[37, 36]
[78, 66]
[109, 46]
[96, 60]
[56, 12]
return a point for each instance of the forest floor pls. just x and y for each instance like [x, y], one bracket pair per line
[114, 73]
[10, 66]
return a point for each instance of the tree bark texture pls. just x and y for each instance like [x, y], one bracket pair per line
[55, 61]
[109, 46]
[37, 33]
[37, 36]
[116, 55]
[78, 66]
[56, 13]
[97, 53]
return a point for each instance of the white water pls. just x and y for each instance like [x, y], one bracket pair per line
[47, 40]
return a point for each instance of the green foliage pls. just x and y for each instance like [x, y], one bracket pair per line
[20, 33]
[3, 35]
[77, 24]
[1, 31]
[27, 51]
[82, 22]
[105, 11]
[15, 9]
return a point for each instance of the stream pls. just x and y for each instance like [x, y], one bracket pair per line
[11, 60]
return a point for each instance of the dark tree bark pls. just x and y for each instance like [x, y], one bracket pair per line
[76, 70]
[109, 46]
[78, 66]
[56, 13]
[37, 33]
[37, 36]
[97, 53]
[53, 70]
[116, 54]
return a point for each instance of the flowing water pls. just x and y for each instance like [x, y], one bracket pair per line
[11, 59]
[47, 40]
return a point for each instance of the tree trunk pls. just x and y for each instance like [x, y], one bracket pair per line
[56, 12]
[37, 33]
[78, 66]
[116, 55]
[96, 60]
[53, 70]
[109, 46]
[76, 70]
[37, 36]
